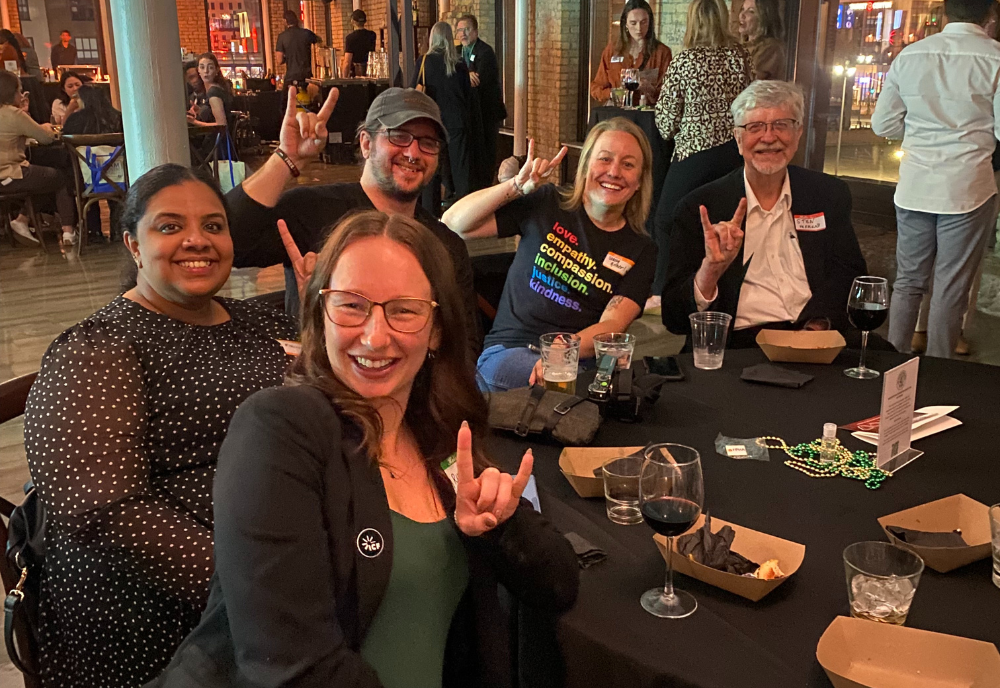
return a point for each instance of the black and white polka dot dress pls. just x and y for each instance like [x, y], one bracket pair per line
[122, 430]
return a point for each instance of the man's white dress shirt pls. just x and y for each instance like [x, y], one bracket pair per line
[941, 97]
[775, 288]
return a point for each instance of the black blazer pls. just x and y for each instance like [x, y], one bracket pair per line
[453, 94]
[294, 592]
[484, 62]
[832, 256]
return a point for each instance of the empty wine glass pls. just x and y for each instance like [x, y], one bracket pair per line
[867, 309]
[671, 496]
[630, 80]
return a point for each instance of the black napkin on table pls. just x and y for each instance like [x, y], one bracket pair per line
[586, 553]
[923, 538]
[713, 549]
[770, 374]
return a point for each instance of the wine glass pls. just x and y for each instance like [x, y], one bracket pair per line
[630, 80]
[671, 495]
[867, 309]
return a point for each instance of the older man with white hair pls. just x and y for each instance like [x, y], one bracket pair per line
[770, 244]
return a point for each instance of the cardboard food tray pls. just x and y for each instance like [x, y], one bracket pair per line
[800, 346]
[578, 463]
[753, 545]
[863, 654]
[943, 515]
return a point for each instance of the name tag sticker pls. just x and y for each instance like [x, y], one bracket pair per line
[810, 223]
[619, 264]
[736, 451]
[450, 468]
[291, 348]
[617, 58]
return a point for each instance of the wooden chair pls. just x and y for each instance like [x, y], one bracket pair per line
[89, 193]
[13, 397]
[196, 139]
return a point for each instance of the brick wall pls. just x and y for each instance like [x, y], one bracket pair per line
[15, 18]
[672, 21]
[193, 23]
[277, 13]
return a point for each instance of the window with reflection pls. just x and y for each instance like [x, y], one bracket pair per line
[866, 38]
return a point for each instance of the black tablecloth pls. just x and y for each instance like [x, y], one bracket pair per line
[608, 640]
[662, 150]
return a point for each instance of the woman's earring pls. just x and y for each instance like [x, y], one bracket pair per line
[431, 354]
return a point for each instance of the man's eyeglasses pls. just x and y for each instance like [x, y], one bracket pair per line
[428, 144]
[778, 126]
[347, 309]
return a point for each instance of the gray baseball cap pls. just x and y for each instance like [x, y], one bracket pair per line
[395, 107]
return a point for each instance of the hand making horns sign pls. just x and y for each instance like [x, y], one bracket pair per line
[303, 134]
[536, 171]
[723, 239]
[485, 502]
[303, 265]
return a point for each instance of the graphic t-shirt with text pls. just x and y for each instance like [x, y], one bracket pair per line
[566, 269]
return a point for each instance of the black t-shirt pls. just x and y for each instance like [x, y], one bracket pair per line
[566, 269]
[295, 43]
[205, 113]
[359, 43]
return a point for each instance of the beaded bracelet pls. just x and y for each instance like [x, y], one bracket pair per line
[859, 465]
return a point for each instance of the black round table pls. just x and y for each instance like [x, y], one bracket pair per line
[608, 640]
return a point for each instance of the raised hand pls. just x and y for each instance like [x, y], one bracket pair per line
[536, 171]
[302, 265]
[723, 239]
[483, 503]
[303, 134]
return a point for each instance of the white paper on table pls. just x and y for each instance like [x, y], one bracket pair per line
[895, 426]
[927, 421]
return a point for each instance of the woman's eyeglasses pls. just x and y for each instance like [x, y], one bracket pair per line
[778, 126]
[347, 309]
[428, 144]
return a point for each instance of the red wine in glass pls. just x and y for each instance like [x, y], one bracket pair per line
[671, 496]
[670, 516]
[867, 316]
[867, 309]
[630, 81]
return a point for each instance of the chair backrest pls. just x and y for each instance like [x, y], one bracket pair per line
[14, 396]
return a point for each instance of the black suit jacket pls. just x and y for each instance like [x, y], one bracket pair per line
[294, 592]
[484, 63]
[832, 256]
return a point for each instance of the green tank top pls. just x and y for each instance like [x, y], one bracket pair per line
[406, 641]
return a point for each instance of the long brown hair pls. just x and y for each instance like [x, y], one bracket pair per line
[637, 207]
[444, 391]
[622, 44]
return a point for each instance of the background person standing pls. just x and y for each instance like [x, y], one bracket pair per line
[487, 99]
[941, 97]
[357, 45]
[62, 52]
[294, 49]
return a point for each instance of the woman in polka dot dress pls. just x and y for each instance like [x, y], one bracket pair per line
[122, 430]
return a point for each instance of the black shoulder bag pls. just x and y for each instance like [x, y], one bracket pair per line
[25, 558]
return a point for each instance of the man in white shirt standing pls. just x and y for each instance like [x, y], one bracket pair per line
[941, 97]
[782, 252]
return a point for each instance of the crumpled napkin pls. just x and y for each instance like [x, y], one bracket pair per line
[770, 374]
[586, 554]
[713, 549]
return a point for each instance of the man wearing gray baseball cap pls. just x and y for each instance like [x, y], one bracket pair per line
[401, 139]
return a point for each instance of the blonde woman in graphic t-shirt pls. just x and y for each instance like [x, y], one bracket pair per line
[584, 263]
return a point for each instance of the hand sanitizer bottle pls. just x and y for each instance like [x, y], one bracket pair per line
[828, 445]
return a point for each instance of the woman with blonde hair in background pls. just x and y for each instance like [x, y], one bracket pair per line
[761, 29]
[701, 83]
[444, 77]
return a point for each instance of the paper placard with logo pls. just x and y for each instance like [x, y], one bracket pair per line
[895, 428]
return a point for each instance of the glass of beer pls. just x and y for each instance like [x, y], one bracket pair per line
[560, 359]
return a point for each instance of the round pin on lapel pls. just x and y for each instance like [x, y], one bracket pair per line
[370, 543]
